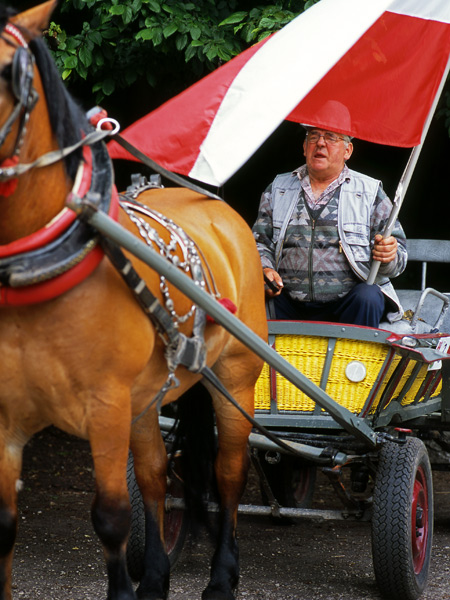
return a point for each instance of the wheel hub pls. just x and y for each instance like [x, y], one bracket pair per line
[419, 521]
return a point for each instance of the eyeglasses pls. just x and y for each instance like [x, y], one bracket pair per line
[328, 138]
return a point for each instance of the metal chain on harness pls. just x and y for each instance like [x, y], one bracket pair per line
[191, 260]
[183, 253]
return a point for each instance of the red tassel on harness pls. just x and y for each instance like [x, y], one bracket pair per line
[226, 303]
[96, 114]
[9, 187]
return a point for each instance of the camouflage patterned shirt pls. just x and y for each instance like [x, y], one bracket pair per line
[313, 266]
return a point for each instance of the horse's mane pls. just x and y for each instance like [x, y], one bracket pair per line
[5, 13]
[66, 118]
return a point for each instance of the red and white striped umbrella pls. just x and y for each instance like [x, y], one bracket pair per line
[379, 62]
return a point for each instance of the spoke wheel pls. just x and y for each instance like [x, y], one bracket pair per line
[291, 481]
[402, 521]
[175, 524]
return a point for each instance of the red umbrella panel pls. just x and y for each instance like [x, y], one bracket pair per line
[375, 67]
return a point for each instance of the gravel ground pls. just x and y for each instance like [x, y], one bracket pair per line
[58, 556]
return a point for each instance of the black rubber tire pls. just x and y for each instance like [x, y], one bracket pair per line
[291, 481]
[176, 525]
[402, 519]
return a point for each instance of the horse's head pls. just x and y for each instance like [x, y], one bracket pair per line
[37, 117]
[18, 93]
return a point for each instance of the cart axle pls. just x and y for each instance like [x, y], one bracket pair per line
[298, 513]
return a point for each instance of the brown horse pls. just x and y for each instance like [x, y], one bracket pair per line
[85, 357]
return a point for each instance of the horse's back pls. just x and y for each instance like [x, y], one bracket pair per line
[211, 223]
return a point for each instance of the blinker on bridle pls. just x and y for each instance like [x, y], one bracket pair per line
[26, 98]
[22, 87]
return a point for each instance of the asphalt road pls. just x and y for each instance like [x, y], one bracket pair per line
[58, 556]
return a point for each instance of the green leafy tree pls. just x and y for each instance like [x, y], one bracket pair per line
[104, 46]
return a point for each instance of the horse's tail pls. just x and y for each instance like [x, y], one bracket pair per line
[194, 449]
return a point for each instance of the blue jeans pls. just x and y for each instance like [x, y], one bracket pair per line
[363, 305]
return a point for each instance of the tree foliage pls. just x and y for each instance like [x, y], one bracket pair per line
[109, 45]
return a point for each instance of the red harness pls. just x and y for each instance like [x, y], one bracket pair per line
[47, 290]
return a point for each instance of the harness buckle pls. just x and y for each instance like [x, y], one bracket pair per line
[189, 352]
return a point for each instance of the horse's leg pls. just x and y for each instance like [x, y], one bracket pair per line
[10, 466]
[238, 375]
[150, 465]
[109, 432]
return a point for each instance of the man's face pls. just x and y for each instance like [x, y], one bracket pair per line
[326, 153]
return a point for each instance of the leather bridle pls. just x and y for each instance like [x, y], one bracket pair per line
[26, 98]
[22, 87]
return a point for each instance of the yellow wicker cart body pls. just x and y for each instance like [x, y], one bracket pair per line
[375, 374]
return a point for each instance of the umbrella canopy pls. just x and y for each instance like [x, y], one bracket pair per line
[374, 66]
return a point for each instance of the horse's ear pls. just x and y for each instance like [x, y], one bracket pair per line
[35, 19]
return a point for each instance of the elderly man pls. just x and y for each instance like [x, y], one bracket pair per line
[316, 231]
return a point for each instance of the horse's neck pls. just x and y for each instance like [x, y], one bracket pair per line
[41, 192]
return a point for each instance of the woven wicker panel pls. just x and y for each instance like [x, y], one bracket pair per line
[411, 394]
[262, 389]
[307, 354]
[347, 393]
[384, 383]
[438, 390]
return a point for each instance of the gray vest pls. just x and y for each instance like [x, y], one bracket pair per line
[354, 211]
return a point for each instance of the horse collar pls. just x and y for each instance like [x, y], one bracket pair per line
[62, 254]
